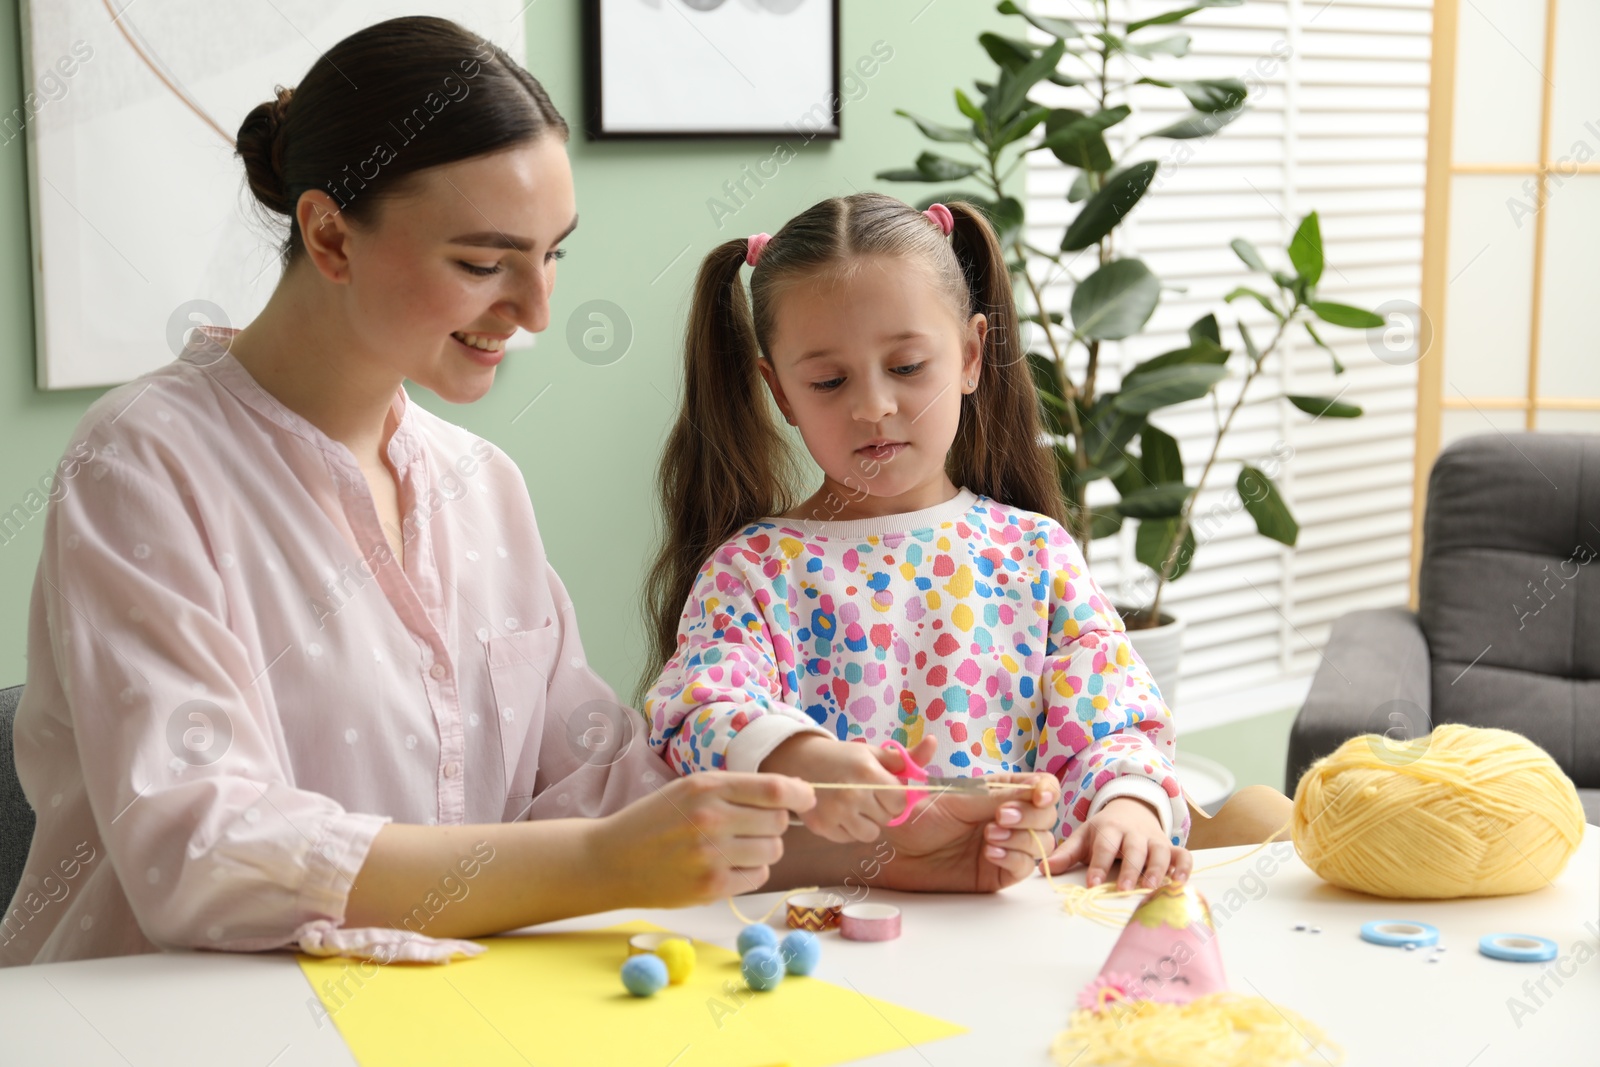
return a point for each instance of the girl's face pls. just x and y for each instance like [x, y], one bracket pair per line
[872, 370]
[468, 254]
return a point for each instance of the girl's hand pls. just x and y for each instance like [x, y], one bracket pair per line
[1130, 828]
[699, 838]
[845, 814]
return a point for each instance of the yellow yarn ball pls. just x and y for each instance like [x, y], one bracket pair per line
[1465, 811]
[679, 957]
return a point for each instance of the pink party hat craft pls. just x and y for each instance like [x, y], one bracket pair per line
[1162, 998]
[1169, 948]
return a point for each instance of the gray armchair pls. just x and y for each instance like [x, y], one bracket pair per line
[1507, 631]
[16, 818]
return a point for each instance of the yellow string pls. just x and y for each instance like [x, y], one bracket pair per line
[1090, 902]
[770, 911]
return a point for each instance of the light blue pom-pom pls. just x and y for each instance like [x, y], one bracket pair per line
[801, 950]
[644, 975]
[757, 935]
[762, 968]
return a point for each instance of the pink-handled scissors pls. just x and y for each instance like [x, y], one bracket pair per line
[913, 772]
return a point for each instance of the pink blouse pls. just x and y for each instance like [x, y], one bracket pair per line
[232, 683]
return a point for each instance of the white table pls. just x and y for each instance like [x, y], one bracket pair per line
[1385, 1006]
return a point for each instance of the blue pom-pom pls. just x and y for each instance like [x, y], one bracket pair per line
[644, 975]
[757, 935]
[801, 950]
[762, 968]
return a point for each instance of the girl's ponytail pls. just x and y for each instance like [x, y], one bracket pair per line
[725, 462]
[998, 450]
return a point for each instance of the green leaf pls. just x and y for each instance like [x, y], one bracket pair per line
[1045, 383]
[937, 168]
[1021, 126]
[1338, 368]
[1103, 523]
[1075, 138]
[1205, 328]
[1267, 507]
[1250, 345]
[1201, 350]
[936, 132]
[1008, 53]
[1107, 428]
[1059, 28]
[972, 111]
[1154, 541]
[1164, 19]
[1115, 301]
[1214, 94]
[1248, 255]
[1198, 124]
[1169, 385]
[1260, 298]
[1176, 45]
[1181, 14]
[1159, 457]
[1162, 501]
[1322, 405]
[1305, 249]
[1345, 315]
[1012, 91]
[1108, 207]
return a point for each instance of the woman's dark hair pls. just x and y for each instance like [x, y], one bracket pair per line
[388, 101]
[727, 464]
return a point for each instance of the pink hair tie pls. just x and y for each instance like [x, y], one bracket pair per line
[942, 218]
[753, 247]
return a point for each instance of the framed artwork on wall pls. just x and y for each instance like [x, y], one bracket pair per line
[697, 69]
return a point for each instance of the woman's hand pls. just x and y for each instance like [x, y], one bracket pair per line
[1129, 828]
[970, 843]
[846, 814]
[698, 839]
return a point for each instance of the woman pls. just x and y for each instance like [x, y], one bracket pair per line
[297, 659]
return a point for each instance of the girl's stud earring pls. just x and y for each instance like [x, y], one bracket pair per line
[971, 384]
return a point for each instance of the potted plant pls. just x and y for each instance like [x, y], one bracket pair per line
[1106, 434]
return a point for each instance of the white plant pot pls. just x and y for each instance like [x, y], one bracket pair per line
[1161, 649]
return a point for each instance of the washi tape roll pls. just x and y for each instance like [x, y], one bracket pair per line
[814, 911]
[869, 922]
[1400, 933]
[1518, 948]
[639, 944]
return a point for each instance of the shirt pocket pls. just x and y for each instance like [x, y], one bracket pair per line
[520, 665]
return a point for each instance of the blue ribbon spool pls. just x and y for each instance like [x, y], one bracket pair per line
[1518, 948]
[1399, 933]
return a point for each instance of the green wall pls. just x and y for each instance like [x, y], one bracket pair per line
[588, 447]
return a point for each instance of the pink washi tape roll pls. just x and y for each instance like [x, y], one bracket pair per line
[814, 911]
[869, 922]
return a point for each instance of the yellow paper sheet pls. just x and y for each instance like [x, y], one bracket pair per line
[557, 1000]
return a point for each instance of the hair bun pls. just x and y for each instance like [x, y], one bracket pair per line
[260, 145]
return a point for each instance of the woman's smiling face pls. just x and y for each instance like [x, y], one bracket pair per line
[467, 253]
[871, 367]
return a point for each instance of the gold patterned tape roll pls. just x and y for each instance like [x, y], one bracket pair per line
[814, 911]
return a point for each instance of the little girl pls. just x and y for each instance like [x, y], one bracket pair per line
[928, 593]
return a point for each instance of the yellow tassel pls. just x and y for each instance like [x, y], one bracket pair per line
[1219, 1030]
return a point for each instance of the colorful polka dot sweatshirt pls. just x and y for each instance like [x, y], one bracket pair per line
[973, 621]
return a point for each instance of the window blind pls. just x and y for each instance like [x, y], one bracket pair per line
[1337, 123]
